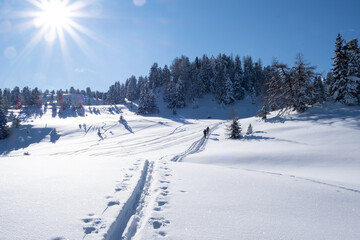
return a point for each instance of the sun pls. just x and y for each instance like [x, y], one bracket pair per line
[53, 17]
[56, 20]
[59, 23]
[54, 14]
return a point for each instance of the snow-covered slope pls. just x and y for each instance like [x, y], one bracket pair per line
[156, 177]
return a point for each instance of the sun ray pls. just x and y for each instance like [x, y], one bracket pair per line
[57, 29]
[78, 40]
[56, 18]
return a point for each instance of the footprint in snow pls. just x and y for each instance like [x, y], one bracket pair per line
[118, 189]
[112, 203]
[158, 222]
[92, 220]
[162, 203]
[88, 230]
[156, 225]
[93, 224]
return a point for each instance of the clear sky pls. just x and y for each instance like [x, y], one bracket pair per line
[97, 42]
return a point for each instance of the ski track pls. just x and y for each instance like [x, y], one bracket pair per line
[196, 146]
[126, 222]
[307, 179]
[131, 215]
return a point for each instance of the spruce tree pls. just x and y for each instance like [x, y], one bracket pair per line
[180, 94]
[351, 96]
[318, 90]
[4, 129]
[131, 90]
[171, 94]
[234, 129]
[263, 112]
[239, 91]
[249, 74]
[338, 88]
[229, 91]
[147, 103]
[206, 73]
[220, 77]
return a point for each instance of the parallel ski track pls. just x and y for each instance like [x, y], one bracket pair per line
[196, 146]
[125, 225]
[308, 179]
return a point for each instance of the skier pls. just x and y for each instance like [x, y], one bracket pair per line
[204, 133]
[207, 130]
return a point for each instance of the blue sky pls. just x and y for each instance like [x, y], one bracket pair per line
[114, 39]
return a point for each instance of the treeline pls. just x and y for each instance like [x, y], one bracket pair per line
[345, 85]
[26, 97]
[227, 78]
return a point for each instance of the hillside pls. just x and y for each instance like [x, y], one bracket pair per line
[156, 177]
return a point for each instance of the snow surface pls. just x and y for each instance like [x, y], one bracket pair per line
[156, 177]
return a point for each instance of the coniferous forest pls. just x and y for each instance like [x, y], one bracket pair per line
[226, 78]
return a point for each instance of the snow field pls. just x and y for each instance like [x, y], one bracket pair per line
[59, 197]
[156, 177]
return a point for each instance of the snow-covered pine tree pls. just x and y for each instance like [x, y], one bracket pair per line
[220, 76]
[340, 62]
[302, 75]
[166, 76]
[249, 74]
[318, 90]
[263, 112]
[181, 68]
[206, 73]
[155, 76]
[15, 96]
[329, 81]
[35, 99]
[4, 129]
[131, 91]
[234, 129]
[239, 91]
[147, 104]
[6, 98]
[352, 53]
[249, 130]
[180, 94]
[198, 86]
[259, 77]
[229, 91]
[26, 95]
[171, 94]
